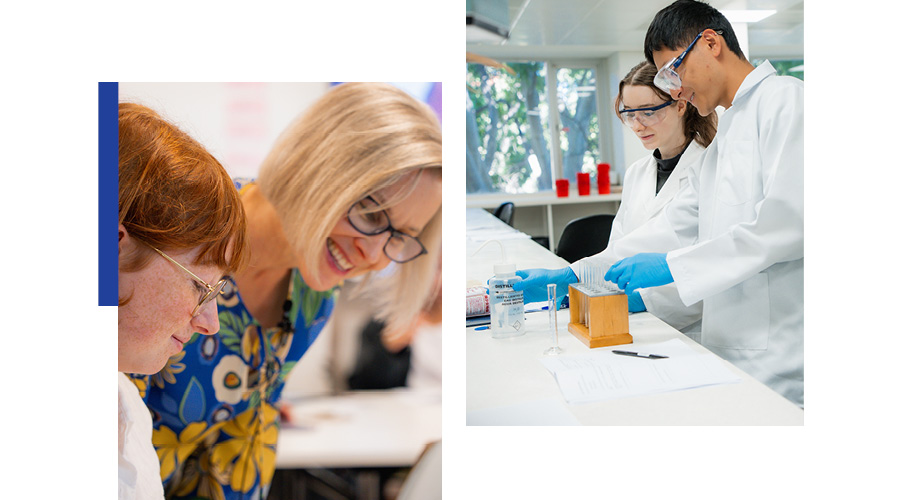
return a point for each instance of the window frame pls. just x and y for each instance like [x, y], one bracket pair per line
[607, 144]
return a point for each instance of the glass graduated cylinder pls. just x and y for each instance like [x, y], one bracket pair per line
[554, 331]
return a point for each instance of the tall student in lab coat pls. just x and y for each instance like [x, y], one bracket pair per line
[734, 237]
[677, 134]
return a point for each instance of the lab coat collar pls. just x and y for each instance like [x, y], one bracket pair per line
[674, 183]
[758, 74]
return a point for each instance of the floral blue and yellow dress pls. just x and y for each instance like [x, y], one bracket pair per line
[215, 423]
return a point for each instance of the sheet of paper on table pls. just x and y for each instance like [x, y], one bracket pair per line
[602, 375]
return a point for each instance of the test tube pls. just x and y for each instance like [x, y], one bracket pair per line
[554, 332]
[581, 299]
[585, 299]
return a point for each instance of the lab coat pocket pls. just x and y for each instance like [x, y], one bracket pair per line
[735, 172]
[738, 318]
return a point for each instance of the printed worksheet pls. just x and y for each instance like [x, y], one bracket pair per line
[602, 375]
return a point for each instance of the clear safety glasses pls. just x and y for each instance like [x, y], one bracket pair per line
[645, 116]
[667, 79]
[211, 291]
[368, 219]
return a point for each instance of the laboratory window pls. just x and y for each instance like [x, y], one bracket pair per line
[516, 142]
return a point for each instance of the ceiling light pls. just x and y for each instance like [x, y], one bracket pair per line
[746, 16]
[487, 21]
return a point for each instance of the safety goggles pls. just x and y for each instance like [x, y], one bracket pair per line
[644, 116]
[667, 79]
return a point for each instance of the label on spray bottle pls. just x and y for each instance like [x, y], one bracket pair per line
[507, 308]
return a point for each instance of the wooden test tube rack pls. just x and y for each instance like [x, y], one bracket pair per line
[598, 318]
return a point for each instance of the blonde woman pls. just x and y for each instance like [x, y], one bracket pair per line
[350, 187]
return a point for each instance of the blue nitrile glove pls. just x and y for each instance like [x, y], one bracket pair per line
[636, 303]
[534, 283]
[643, 270]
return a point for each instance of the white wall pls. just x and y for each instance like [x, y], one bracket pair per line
[236, 122]
[632, 149]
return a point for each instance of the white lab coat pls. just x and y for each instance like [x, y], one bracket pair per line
[738, 230]
[640, 203]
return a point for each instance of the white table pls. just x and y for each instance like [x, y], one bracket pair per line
[507, 372]
[546, 199]
[360, 429]
[340, 446]
[518, 246]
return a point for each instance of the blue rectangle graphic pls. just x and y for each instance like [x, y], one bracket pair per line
[108, 206]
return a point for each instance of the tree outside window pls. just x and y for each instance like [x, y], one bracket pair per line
[509, 141]
[784, 67]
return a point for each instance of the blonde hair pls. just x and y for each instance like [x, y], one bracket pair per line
[357, 139]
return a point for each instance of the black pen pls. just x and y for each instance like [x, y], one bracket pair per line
[640, 354]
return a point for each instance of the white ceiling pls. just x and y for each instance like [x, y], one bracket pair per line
[598, 28]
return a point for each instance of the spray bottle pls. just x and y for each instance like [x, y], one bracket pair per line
[507, 306]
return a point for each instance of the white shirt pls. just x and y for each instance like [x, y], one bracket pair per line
[139, 477]
[738, 230]
[641, 203]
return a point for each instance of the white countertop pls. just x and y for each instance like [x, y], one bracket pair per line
[507, 372]
[359, 429]
[537, 199]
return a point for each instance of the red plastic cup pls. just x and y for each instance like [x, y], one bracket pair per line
[603, 178]
[584, 183]
[562, 188]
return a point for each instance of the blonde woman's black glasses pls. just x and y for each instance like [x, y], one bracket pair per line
[368, 219]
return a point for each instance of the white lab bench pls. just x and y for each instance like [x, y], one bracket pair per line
[567, 208]
[507, 372]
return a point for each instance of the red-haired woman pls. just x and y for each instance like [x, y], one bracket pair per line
[182, 229]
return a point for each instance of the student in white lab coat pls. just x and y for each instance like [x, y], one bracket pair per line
[734, 237]
[677, 134]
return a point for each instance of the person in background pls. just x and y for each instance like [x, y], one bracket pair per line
[678, 135]
[352, 352]
[181, 230]
[734, 237]
[351, 186]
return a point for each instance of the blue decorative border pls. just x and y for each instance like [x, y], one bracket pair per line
[108, 195]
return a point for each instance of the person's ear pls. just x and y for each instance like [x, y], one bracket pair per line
[681, 106]
[713, 41]
[125, 241]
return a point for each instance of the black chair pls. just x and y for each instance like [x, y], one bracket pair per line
[543, 241]
[505, 212]
[584, 236]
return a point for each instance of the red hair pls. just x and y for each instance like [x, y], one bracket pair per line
[173, 194]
